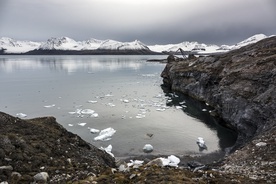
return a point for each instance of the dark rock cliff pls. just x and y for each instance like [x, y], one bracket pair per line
[240, 85]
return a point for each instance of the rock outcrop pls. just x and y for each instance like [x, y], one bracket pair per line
[40, 149]
[240, 85]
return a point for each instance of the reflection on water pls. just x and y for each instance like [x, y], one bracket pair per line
[124, 92]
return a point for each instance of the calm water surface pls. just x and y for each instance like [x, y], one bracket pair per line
[124, 91]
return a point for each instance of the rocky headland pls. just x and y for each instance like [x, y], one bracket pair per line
[239, 85]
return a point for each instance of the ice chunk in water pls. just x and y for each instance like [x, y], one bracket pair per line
[92, 101]
[21, 115]
[94, 131]
[95, 115]
[105, 134]
[108, 150]
[87, 111]
[49, 106]
[82, 124]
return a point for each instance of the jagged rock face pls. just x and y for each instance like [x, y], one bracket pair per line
[240, 84]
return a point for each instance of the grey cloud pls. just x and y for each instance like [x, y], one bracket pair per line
[152, 22]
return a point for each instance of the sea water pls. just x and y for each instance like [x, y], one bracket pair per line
[122, 93]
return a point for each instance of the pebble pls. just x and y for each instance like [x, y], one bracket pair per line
[41, 177]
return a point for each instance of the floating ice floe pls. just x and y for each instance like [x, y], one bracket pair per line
[111, 104]
[82, 124]
[87, 111]
[95, 115]
[161, 109]
[70, 125]
[204, 110]
[49, 106]
[109, 95]
[92, 101]
[21, 115]
[105, 134]
[125, 100]
[108, 150]
[178, 107]
[94, 131]
[140, 116]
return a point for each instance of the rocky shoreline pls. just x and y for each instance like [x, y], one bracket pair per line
[239, 85]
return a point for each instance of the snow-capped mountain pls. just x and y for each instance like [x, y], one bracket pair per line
[8, 45]
[14, 46]
[62, 43]
[115, 45]
[203, 48]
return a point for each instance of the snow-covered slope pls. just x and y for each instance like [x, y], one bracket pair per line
[250, 40]
[14, 46]
[91, 44]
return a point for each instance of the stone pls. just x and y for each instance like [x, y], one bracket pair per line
[41, 177]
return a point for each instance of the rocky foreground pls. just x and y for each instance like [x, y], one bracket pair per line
[240, 85]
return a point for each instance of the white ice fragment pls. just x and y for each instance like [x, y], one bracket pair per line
[92, 101]
[94, 131]
[135, 163]
[201, 143]
[70, 125]
[181, 103]
[204, 110]
[108, 95]
[148, 148]
[49, 106]
[139, 116]
[21, 115]
[126, 101]
[159, 95]
[82, 124]
[161, 109]
[111, 104]
[108, 150]
[95, 115]
[87, 111]
[174, 160]
[105, 134]
[178, 107]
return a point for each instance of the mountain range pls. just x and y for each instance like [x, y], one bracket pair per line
[65, 45]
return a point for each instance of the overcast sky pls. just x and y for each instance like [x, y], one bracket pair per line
[150, 21]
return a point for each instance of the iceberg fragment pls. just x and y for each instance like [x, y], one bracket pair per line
[82, 124]
[87, 111]
[21, 115]
[49, 106]
[94, 131]
[108, 150]
[105, 134]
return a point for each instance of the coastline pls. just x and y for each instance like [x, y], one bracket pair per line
[30, 147]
